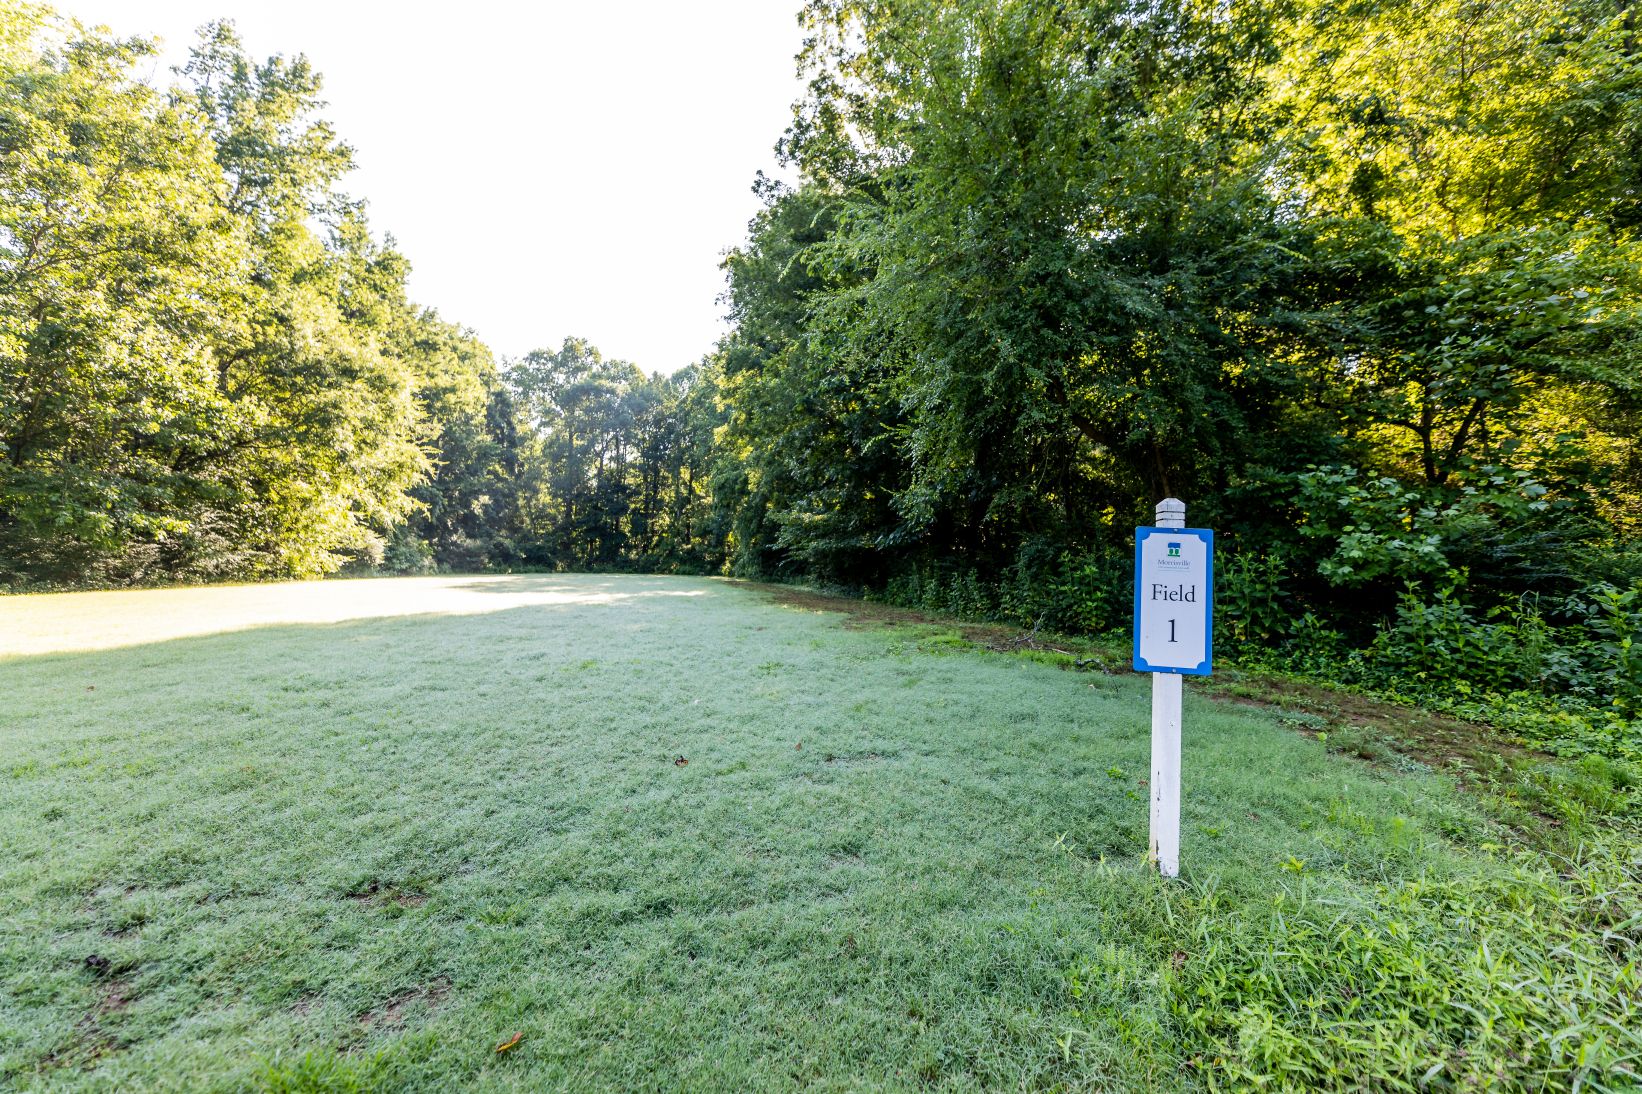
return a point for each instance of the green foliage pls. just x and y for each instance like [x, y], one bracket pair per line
[1252, 607]
[1569, 687]
[613, 464]
[207, 367]
[1067, 593]
[1523, 977]
[1064, 593]
[1055, 217]
[1441, 645]
[936, 588]
[115, 268]
[1383, 530]
[1617, 624]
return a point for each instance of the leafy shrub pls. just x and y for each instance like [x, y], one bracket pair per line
[1250, 598]
[406, 554]
[1314, 647]
[1617, 627]
[1070, 592]
[934, 587]
[1441, 646]
[1498, 521]
[1573, 689]
[1066, 592]
[1378, 528]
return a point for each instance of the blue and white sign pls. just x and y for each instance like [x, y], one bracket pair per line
[1174, 600]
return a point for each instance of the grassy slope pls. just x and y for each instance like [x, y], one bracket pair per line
[368, 850]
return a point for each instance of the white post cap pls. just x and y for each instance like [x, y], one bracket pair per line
[1171, 513]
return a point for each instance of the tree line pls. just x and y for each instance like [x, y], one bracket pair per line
[1358, 282]
[210, 368]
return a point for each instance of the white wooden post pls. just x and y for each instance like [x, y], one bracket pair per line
[1166, 690]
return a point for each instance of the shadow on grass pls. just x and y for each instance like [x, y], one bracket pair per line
[616, 586]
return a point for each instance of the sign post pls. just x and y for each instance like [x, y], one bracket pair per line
[1174, 637]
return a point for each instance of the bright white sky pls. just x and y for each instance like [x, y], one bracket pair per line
[562, 167]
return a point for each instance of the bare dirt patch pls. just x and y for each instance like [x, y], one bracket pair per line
[381, 892]
[89, 1044]
[846, 759]
[391, 1014]
[90, 1040]
[116, 997]
[863, 614]
[1379, 731]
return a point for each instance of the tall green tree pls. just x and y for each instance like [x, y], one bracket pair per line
[328, 440]
[614, 463]
[118, 267]
[1477, 161]
[1057, 259]
[1068, 257]
[812, 456]
[208, 366]
[466, 507]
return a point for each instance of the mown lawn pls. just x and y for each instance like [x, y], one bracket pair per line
[679, 835]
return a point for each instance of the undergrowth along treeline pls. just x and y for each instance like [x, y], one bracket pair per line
[1360, 285]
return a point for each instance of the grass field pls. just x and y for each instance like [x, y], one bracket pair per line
[681, 835]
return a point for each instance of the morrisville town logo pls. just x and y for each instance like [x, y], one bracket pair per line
[1173, 561]
[1174, 550]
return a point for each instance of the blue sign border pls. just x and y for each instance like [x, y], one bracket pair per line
[1207, 536]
